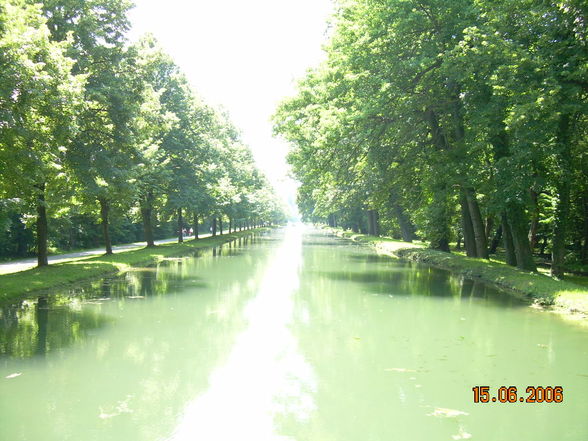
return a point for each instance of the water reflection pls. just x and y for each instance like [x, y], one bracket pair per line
[54, 321]
[277, 341]
[130, 380]
[396, 347]
[266, 382]
[371, 258]
[34, 327]
[378, 276]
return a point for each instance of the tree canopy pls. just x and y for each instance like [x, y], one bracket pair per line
[96, 131]
[449, 121]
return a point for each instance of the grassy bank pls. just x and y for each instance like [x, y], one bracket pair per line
[60, 274]
[538, 289]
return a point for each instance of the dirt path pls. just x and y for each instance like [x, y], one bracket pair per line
[15, 266]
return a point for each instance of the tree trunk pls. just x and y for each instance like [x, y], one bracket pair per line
[147, 215]
[489, 227]
[511, 258]
[584, 254]
[477, 224]
[373, 227]
[407, 228]
[438, 138]
[104, 214]
[558, 243]
[496, 240]
[195, 225]
[542, 247]
[214, 226]
[534, 220]
[562, 211]
[440, 231]
[441, 244]
[42, 228]
[72, 237]
[220, 225]
[466, 226]
[519, 229]
[514, 221]
[230, 225]
[180, 225]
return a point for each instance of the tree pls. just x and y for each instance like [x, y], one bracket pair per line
[421, 108]
[38, 103]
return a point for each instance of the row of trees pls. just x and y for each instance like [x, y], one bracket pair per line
[95, 127]
[450, 120]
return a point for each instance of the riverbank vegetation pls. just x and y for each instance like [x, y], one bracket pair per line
[535, 287]
[60, 274]
[459, 121]
[104, 141]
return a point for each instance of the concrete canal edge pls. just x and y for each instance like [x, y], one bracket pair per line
[60, 275]
[538, 290]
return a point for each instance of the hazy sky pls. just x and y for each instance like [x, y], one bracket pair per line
[243, 55]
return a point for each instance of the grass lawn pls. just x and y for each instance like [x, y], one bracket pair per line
[17, 284]
[570, 294]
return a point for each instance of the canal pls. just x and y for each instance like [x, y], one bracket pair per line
[288, 335]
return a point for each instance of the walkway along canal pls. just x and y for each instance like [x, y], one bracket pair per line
[287, 335]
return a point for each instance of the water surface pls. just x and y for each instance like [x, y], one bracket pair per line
[292, 335]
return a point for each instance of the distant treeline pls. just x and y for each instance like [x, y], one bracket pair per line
[450, 120]
[95, 132]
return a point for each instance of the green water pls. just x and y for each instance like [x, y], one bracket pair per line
[292, 335]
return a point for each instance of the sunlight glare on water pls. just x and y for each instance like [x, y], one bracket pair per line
[265, 374]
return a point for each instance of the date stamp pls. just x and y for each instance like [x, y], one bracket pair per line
[509, 394]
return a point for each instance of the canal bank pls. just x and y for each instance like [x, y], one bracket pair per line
[539, 290]
[23, 283]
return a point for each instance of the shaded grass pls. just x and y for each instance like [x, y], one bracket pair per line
[538, 288]
[60, 274]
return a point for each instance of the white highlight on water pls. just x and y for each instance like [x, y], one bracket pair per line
[265, 375]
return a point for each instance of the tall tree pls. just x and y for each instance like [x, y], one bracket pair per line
[39, 98]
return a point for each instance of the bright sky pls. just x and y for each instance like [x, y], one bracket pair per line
[243, 55]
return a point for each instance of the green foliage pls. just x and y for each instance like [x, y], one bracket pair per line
[93, 129]
[39, 97]
[419, 103]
